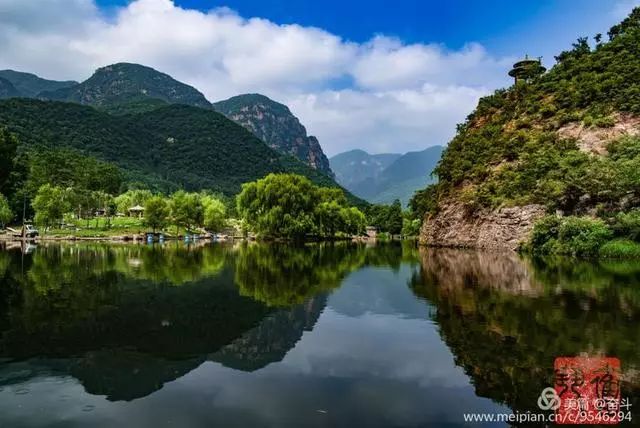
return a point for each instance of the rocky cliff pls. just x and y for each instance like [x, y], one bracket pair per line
[455, 226]
[274, 124]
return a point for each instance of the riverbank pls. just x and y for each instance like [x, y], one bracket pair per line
[143, 237]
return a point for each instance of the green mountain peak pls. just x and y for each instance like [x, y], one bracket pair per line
[121, 84]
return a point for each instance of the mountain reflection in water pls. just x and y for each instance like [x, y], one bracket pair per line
[277, 335]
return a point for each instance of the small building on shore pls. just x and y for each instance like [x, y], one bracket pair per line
[372, 232]
[137, 211]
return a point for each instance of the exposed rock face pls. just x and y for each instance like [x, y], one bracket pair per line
[274, 124]
[595, 140]
[502, 229]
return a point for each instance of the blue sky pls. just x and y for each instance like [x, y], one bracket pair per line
[506, 27]
[378, 75]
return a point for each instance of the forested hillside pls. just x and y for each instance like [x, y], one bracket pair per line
[172, 147]
[124, 88]
[7, 90]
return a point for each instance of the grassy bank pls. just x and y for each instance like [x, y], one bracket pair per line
[101, 227]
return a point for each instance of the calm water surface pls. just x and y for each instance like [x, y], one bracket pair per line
[321, 335]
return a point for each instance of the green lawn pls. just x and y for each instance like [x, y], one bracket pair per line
[102, 228]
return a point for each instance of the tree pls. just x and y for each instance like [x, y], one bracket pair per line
[186, 209]
[214, 213]
[8, 145]
[50, 204]
[279, 205]
[290, 206]
[330, 218]
[6, 215]
[353, 220]
[156, 213]
[394, 218]
[387, 218]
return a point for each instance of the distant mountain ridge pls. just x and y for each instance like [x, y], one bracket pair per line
[274, 124]
[31, 86]
[382, 178]
[7, 89]
[126, 88]
[357, 165]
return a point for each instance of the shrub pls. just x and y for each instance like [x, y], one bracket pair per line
[627, 225]
[620, 249]
[577, 236]
[544, 235]
[582, 236]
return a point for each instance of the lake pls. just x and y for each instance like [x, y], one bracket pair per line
[245, 334]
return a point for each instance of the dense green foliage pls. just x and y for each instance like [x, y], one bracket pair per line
[509, 152]
[214, 213]
[56, 205]
[70, 169]
[51, 204]
[291, 206]
[6, 215]
[615, 237]
[386, 218]
[8, 147]
[156, 212]
[186, 209]
[167, 149]
[569, 235]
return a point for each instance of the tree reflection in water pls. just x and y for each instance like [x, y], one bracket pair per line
[126, 319]
[105, 311]
[506, 319]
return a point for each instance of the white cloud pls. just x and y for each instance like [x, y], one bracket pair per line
[399, 97]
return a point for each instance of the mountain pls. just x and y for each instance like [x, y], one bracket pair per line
[565, 141]
[274, 124]
[29, 85]
[7, 90]
[126, 88]
[168, 148]
[385, 177]
[120, 85]
[355, 166]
